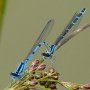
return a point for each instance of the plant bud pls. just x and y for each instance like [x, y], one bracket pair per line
[38, 76]
[32, 82]
[32, 68]
[49, 74]
[86, 86]
[55, 77]
[41, 67]
[52, 86]
[51, 70]
[45, 73]
[47, 84]
[34, 63]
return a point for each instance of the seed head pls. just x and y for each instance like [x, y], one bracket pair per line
[34, 63]
[41, 67]
[38, 76]
[52, 86]
[86, 86]
[32, 82]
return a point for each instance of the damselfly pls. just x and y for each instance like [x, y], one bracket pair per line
[65, 35]
[39, 42]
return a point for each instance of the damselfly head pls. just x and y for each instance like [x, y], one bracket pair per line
[47, 55]
[15, 76]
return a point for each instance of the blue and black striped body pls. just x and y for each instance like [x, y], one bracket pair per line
[75, 19]
[22, 66]
[39, 42]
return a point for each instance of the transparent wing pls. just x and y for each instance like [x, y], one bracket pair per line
[47, 29]
[71, 26]
[74, 33]
[67, 29]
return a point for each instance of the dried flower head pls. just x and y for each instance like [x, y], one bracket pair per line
[86, 86]
[41, 67]
[35, 63]
[33, 82]
[53, 86]
[38, 76]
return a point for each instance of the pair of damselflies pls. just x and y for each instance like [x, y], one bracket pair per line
[68, 32]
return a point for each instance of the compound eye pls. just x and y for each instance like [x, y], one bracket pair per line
[15, 76]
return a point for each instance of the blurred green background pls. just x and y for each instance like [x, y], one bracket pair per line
[2, 10]
[24, 21]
